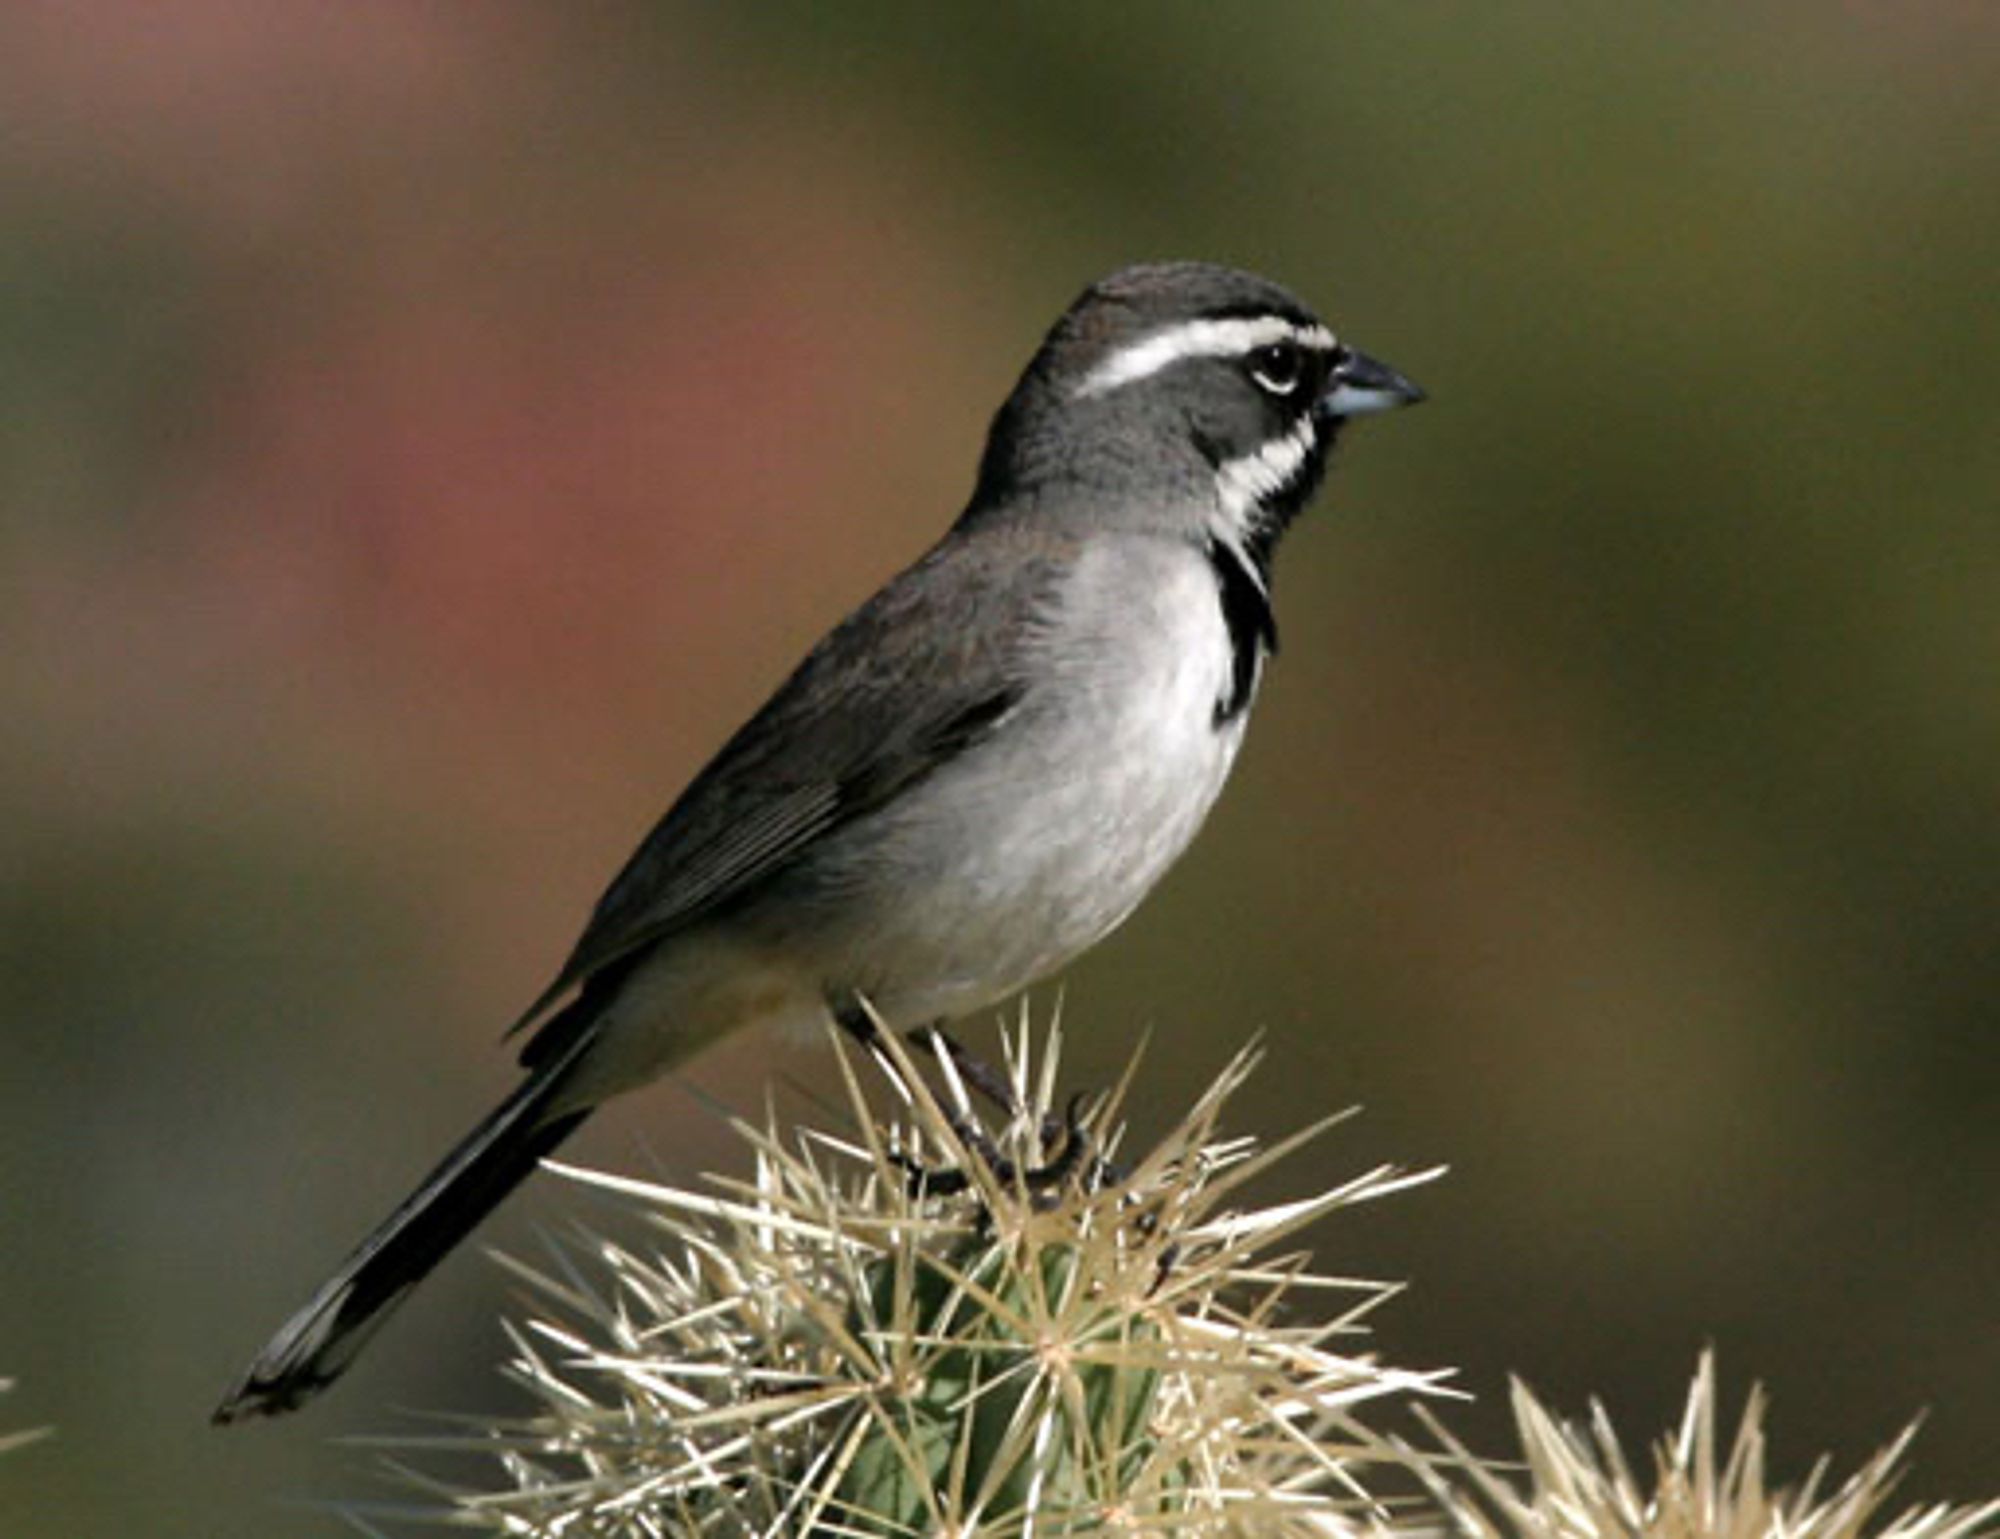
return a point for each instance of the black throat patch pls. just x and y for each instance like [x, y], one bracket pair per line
[1253, 629]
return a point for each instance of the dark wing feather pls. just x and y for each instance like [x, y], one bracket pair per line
[925, 669]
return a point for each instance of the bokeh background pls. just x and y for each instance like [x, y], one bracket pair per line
[426, 430]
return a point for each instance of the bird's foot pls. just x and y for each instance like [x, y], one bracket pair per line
[1064, 1152]
[1068, 1160]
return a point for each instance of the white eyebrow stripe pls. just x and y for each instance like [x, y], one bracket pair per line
[1199, 339]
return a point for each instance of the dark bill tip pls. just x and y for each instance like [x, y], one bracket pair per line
[1361, 385]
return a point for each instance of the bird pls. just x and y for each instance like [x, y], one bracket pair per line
[970, 780]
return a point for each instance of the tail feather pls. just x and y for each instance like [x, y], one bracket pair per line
[315, 1346]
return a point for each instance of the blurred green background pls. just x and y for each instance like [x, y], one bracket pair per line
[426, 430]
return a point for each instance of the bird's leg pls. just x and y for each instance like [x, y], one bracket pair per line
[1062, 1140]
[1040, 1182]
[977, 1073]
[857, 1022]
[1064, 1143]
[861, 1024]
[983, 1079]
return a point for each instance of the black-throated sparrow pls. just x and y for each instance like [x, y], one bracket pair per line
[974, 777]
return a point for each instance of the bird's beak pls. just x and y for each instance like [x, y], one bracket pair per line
[1360, 385]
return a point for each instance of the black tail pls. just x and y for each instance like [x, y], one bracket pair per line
[315, 1346]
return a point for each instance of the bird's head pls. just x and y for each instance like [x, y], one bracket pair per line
[1184, 391]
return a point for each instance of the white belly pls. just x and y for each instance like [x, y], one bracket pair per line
[1067, 820]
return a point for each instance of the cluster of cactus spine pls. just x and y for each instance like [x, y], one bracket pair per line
[12, 1440]
[898, 1330]
[1576, 1481]
[841, 1346]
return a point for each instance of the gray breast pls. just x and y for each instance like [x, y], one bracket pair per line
[1024, 852]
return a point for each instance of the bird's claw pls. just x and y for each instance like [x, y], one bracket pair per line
[1071, 1161]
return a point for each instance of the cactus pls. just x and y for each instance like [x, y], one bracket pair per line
[1577, 1482]
[893, 1332]
[842, 1346]
[12, 1440]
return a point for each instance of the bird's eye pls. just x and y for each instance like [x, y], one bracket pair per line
[1279, 367]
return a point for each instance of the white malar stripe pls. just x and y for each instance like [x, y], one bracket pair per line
[1244, 483]
[1199, 339]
